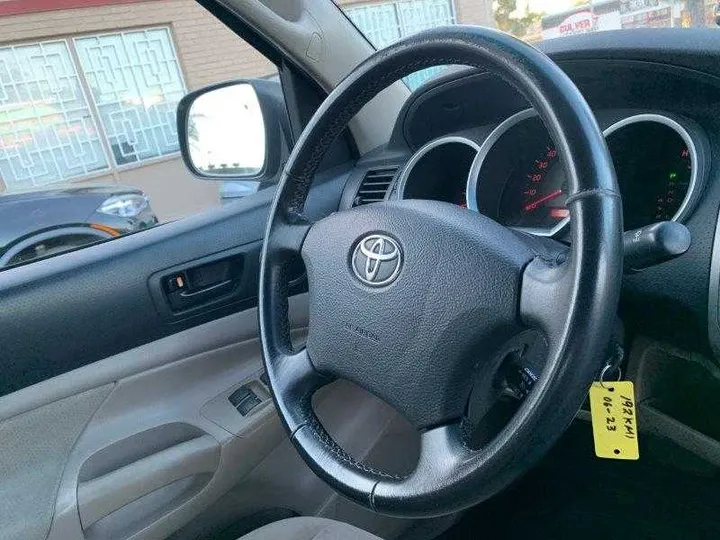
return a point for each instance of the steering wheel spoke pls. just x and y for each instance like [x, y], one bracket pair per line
[545, 296]
[444, 459]
[443, 447]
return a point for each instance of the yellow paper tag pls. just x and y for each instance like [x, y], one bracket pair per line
[612, 407]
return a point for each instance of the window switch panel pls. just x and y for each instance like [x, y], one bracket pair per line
[239, 395]
[248, 404]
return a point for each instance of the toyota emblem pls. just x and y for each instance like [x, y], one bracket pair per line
[376, 260]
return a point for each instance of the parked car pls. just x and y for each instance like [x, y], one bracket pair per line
[43, 222]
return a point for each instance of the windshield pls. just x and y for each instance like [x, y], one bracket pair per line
[383, 22]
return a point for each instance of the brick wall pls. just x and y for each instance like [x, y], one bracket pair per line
[208, 51]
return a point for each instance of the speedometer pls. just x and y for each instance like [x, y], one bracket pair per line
[534, 198]
[523, 183]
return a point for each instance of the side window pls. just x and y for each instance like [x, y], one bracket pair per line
[89, 146]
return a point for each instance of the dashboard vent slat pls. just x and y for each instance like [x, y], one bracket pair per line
[374, 186]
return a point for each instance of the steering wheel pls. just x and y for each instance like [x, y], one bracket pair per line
[415, 300]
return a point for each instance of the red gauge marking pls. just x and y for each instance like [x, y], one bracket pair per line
[550, 196]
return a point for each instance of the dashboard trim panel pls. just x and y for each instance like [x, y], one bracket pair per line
[620, 74]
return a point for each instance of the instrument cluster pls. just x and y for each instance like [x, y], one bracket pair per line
[516, 175]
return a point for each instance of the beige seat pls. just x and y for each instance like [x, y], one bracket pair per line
[309, 528]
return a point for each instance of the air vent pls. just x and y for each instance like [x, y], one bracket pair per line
[374, 186]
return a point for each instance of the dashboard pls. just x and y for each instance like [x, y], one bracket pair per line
[469, 139]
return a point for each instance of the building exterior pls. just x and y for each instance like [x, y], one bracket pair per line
[88, 93]
[88, 88]
[627, 14]
[581, 20]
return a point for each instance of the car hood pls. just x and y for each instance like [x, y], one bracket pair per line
[27, 212]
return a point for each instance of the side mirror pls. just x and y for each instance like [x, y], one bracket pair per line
[233, 130]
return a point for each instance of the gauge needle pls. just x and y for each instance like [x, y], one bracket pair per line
[549, 197]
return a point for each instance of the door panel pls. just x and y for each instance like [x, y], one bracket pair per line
[144, 444]
[126, 447]
[100, 497]
[119, 415]
[34, 448]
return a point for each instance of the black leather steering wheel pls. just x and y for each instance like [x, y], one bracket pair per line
[412, 300]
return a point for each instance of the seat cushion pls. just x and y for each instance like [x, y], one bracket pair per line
[309, 528]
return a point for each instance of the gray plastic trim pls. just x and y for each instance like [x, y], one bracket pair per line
[34, 448]
[320, 39]
[714, 293]
[144, 402]
[158, 404]
[220, 411]
[161, 383]
[645, 368]
[658, 423]
[99, 497]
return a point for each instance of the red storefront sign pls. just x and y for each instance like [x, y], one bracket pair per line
[578, 23]
[17, 7]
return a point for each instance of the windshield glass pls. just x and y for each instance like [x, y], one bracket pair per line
[383, 22]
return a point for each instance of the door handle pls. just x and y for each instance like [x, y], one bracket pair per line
[218, 288]
[186, 299]
[195, 286]
[211, 283]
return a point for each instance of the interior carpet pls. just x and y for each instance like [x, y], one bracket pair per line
[667, 494]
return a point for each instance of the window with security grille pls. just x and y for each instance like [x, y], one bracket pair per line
[136, 84]
[79, 107]
[47, 131]
[386, 22]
